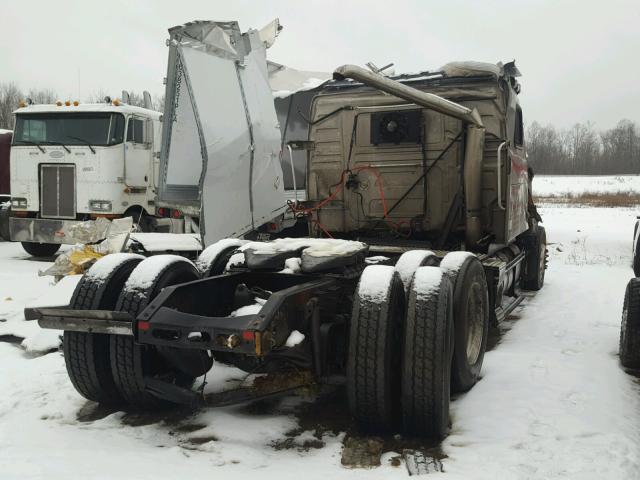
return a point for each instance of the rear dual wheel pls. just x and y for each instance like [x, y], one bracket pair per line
[428, 347]
[130, 362]
[471, 320]
[441, 347]
[374, 357]
[86, 355]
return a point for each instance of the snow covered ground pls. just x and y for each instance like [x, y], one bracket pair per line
[553, 402]
[572, 185]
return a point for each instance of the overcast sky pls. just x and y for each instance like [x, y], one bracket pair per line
[579, 59]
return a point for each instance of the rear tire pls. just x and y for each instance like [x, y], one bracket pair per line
[213, 259]
[86, 355]
[630, 327]
[5, 214]
[428, 346]
[535, 264]
[373, 363]
[131, 362]
[40, 250]
[636, 251]
[410, 261]
[471, 323]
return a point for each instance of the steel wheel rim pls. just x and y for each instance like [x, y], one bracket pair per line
[542, 266]
[475, 323]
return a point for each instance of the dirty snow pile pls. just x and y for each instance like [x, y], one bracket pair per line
[162, 242]
[313, 247]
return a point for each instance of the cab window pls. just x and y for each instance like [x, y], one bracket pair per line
[137, 131]
[518, 134]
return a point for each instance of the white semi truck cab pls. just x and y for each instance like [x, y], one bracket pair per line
[72, 162]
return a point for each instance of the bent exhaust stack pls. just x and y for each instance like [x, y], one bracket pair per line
[474, 143]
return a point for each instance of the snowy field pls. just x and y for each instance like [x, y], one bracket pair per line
[573, 185]
[553, 402]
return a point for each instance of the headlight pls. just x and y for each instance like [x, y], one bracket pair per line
[100, 205]
[18, 203]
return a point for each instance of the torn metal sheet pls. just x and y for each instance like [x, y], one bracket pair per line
[221, 138]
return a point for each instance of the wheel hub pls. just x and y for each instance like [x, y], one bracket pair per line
[475, 317]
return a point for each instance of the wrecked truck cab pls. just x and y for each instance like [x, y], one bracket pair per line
[220, 131]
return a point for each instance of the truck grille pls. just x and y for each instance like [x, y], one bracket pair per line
[57, 191]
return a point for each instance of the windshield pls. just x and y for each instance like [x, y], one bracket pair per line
[69, 129]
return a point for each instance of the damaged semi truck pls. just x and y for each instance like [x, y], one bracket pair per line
[417, 237]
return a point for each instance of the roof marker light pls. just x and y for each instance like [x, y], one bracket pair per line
[67, 103]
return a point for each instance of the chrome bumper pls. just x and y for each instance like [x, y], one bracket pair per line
[41, 230]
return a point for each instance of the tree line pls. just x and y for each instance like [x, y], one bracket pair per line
[11, 95]
[584, 150]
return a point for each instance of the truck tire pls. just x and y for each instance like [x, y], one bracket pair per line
[427, 352]
[213, 259]
[409, 262]
[131, 362]
[374, 357]
[471, 322]
[86, 355]
[636, 251]
[40, 250]
[630, 327]
[5, 214]
[536, 261]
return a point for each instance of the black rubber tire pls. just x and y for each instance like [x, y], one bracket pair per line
[470, 298]
[131, 362]
[427, 353]
[535, 264]
[636, 252]
[218, 265]
[374, 356]
[86, 355]
[5, 231]
[630, 327]
[40, 250]
[409, 262]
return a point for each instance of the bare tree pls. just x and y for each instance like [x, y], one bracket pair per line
[10, 96]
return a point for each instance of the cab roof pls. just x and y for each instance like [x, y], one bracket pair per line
[89, 107]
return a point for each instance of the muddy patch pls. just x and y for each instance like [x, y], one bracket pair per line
[12, 339]
[171, 418]
[201, 440]
[92, 412]
[188, 428]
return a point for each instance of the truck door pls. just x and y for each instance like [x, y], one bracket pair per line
[138, 151]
